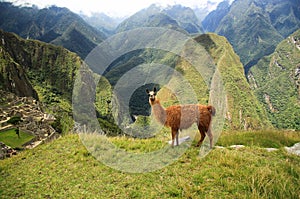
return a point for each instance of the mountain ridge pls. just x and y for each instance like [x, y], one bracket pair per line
[52, 25]
[255, 27]
[175, 17]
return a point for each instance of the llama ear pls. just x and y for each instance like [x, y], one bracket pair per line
[147, 91]
[154, 89]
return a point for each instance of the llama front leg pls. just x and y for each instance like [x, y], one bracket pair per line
[177, 141]
[174, 135]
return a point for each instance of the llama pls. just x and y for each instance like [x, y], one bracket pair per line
[180, 117]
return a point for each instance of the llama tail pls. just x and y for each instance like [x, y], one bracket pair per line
[212, 110]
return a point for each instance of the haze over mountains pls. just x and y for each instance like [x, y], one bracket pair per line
[252, 29]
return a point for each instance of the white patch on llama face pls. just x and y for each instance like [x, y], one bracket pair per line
[152, 95]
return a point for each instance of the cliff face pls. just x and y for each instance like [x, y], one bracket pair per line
[29, 67]
[13, 77]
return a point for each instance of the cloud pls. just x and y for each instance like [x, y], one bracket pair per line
[115, 8]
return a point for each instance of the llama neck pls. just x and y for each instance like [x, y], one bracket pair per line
[158, 111]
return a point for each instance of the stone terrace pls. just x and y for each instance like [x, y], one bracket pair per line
[34, 120]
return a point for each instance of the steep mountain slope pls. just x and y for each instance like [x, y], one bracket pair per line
[185, 17]
[13, 77]
[243, 109]
[213, 19]
[255, 27]
[52, 25]
[176, 17]
[276, 82]
[44, 71]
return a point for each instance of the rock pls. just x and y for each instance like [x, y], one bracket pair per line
[271, 149]
[180, 140]
[237, 146]
[294, 149]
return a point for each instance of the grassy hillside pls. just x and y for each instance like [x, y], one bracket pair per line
[275, 80]
[243, 109]
[65, 169]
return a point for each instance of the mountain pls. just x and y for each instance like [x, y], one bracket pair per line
[276, 82]
[185, 17]
[54, 25]
[176, 17]
[203, 11]
[213, 18]
[148, 17]
[102, 22]
[243, 108]
[36, 69]
[254, 27]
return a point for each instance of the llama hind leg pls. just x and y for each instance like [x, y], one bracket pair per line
[209, 134]
[202, 138]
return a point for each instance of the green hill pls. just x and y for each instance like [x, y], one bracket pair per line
[243, 109]
[65, 169]
[275, 80]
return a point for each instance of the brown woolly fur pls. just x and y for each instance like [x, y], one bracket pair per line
[180, 117]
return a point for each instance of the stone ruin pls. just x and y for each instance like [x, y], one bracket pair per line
[6, 151]
[34, 120]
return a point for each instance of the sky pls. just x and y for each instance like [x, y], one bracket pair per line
[114, 8]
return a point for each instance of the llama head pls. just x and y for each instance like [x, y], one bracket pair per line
[151, 94]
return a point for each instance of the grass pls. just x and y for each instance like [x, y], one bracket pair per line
[65, 169]
[264, 139]
[10, 138]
